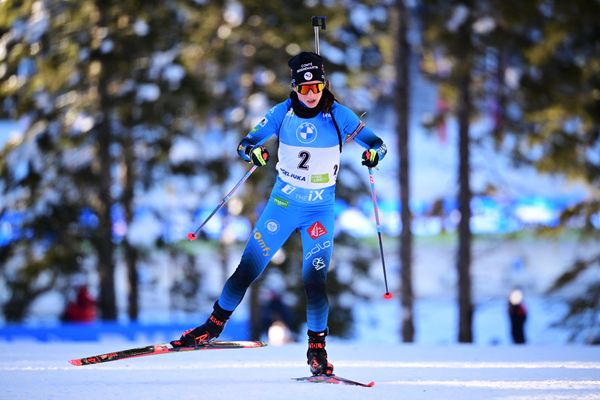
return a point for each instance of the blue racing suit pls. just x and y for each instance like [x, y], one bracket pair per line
[302, 198]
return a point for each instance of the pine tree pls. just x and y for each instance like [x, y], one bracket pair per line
[103, 87]
[448, 35]
[542, 83]
[551, 87]
[402, 63]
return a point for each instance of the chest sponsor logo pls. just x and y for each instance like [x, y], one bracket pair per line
[266, 250]
[292, 175]
[322, 178]
[313, 195]
[280, 202]
[316, 230]
[306, 132]
[317, 248]
[272, 226]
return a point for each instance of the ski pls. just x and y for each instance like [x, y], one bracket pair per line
[333, 379]
[164, 348]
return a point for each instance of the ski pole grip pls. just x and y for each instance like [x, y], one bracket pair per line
[319, 21]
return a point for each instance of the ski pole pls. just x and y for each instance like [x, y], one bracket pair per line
[318, 23]
[194, 235]
[387, 294]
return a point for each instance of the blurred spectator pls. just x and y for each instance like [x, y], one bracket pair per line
[276, 319]
[279, 334]
[83, 309]
[518, 315]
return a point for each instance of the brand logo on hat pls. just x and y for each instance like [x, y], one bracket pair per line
[308, 76]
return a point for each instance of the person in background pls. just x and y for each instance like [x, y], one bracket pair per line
[517, 314]
[310, 127]
[83, 309]
[276, 319]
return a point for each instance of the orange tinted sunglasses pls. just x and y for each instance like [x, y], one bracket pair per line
[315, 87]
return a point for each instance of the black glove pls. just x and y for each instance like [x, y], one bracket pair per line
[259, 155]
[370, 158]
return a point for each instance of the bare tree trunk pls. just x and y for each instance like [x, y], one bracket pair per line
[104, 242]
[131, 254]
[465, 305]
[131, 257]
[500, 99]
[402, 62]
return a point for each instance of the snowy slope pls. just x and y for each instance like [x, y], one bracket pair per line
[40, 371]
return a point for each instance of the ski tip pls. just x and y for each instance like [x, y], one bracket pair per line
[75, 362]
[371, 384]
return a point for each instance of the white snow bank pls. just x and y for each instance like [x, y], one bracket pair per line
[40, 371]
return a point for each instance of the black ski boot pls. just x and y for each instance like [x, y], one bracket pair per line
[211, 329]
[316, 354]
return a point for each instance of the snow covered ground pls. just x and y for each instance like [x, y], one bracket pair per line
[31, 371]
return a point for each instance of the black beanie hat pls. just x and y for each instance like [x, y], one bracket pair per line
[306, 67]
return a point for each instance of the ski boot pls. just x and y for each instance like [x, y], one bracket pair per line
[211, 329]
[316, 354]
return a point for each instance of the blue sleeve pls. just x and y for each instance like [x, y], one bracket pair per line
[348, 122]
[266, 128]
